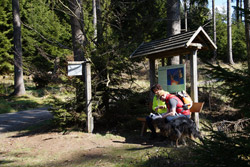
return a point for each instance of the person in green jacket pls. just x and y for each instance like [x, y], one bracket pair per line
[159, 107]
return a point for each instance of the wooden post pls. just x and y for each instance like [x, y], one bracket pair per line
[194, 84]
[90, 120]
[151, 75]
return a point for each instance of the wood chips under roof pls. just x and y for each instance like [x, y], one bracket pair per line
[180, 44]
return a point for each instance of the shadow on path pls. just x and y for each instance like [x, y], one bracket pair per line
[23, 119]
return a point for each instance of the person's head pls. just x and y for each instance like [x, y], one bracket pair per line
[155, 88]
[162, 94]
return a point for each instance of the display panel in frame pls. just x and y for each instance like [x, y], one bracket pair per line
[172, 78]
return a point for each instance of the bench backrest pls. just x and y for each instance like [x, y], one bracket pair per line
[197, 107]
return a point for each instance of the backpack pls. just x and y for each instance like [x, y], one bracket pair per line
[185, 98]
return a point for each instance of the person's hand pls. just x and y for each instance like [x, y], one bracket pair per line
[155, 116]
[161, 107]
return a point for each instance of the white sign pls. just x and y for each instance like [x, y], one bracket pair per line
[75, 68]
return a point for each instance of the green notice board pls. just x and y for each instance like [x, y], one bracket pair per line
[172, 78]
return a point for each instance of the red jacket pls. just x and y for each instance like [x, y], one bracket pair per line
[179, 108]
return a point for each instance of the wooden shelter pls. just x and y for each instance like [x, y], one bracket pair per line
[187, 43]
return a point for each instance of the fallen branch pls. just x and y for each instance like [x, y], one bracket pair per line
[232, 126]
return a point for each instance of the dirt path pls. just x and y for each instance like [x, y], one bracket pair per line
[22, 119]
[18, 148]
[56, 149]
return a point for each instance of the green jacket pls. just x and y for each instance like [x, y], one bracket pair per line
[156, 103]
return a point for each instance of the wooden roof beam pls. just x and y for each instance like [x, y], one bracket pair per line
[196, 45]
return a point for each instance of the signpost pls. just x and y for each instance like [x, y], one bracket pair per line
[75, 68]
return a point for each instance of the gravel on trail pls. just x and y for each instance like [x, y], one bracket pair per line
[23, 119]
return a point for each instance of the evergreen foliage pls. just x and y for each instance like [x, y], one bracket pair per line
[147, 17]
[239, 42]
[125, 107]
[44, 34]
[236, 84]
[238, 39]
[6, 37]
[220, 149]
[65, 115]
[111, 64]
[221, 30]
[198, 16]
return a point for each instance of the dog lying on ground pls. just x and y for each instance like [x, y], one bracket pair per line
[178, 129]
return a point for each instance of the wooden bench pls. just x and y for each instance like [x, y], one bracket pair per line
[197, 107]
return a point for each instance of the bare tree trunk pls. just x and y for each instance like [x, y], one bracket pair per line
[229, 33]
[237, 11]
[240, 11]
[214, 27]
[94, 20]
[77, 27]
[185, 15]
[173, 24]
[78, 40]
[19, 88]
[247, 30]
[99, 22]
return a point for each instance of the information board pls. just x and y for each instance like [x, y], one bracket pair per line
[172, 78]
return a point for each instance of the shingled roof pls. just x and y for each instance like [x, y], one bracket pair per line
[180, 44]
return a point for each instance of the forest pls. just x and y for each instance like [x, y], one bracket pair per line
[39, 38]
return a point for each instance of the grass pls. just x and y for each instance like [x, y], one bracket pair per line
[14, 104]
[34, 98]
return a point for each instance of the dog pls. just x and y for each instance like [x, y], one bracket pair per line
[178, 129]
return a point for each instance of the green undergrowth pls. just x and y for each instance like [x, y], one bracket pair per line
[14, 104]
[34, 98]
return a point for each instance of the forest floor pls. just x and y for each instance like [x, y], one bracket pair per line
[39, 146]
[57, 149]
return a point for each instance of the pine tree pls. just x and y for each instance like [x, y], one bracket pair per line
[46, 38]
[6, 56]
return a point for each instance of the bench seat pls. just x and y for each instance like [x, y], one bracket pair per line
[196, 107]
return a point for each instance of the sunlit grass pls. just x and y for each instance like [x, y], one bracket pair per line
[14, 104]
[34, 98]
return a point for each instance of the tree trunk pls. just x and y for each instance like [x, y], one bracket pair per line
[77, 27]
[173, 24]
[247, 30]
[99, 22]
[78, 40]
[19, 88]
[185, 15]
[229, 33]
[237, 11]
[214, 27]
[240, 11]
[94, 20]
